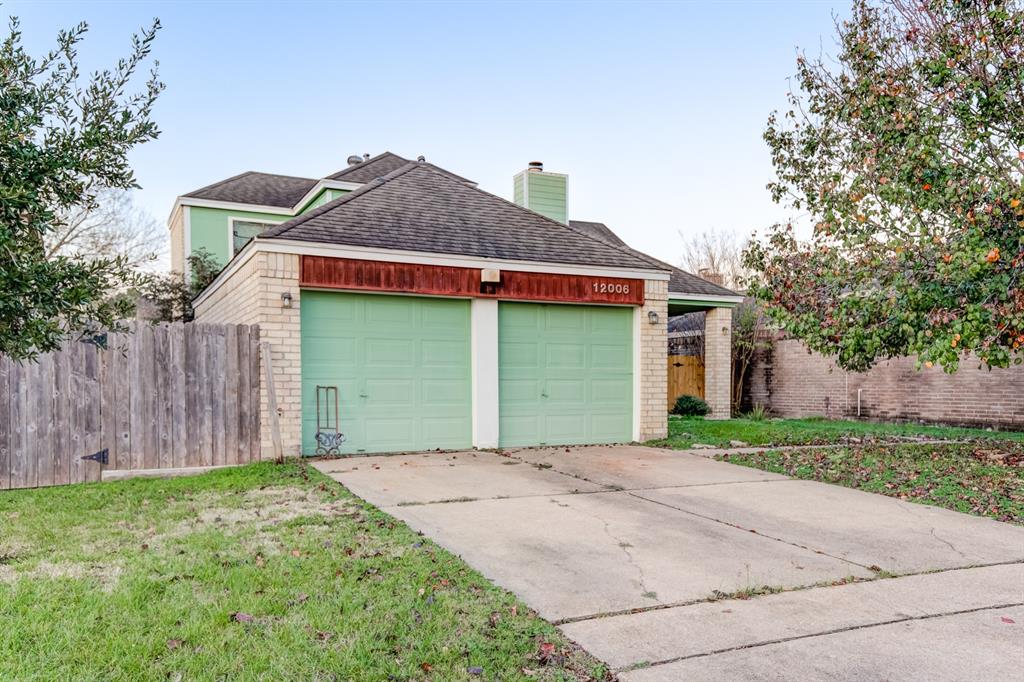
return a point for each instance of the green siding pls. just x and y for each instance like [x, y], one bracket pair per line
[565, 374]
[323, 198]
[517, 190]
[547, 195]
[401, 365]
[210, 228]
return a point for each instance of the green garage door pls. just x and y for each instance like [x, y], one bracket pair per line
[401, 367]
[565, 374]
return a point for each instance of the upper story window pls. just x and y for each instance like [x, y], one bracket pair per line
[245, 230]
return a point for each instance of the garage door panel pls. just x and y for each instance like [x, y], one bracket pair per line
[390, 393]
[575, 384]
[444, 353]
[442, 392]
[572, 391]
[609, 391]
[328, 350]
[612, 357]
[519, 390]
[389, 311]
[444, 430]
[520, 354]
[389, 433]
[523, 321]
[573, 355]
[383, 351]
[565, 319]
[609, 321]
[565, 428]
[610, 427]
[397, 361]
[520, 430]
[438, 315]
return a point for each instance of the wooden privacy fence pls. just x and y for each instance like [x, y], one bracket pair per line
[685, 377]
[158, 397]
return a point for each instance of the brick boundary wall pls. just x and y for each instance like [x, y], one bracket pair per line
[790, 381]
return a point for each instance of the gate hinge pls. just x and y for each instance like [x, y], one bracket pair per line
[103, 456]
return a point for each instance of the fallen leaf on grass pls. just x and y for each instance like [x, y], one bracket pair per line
[240, 617]
[475, 670]
[173, 644]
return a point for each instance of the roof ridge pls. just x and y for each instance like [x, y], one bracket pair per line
[364, 188]
[372, 159]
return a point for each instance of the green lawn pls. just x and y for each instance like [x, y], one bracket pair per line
[262, 572]
[982, 478]
[683, 432]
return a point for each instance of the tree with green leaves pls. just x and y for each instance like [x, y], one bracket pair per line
[63, 141]
[907, 153]
[171, 294]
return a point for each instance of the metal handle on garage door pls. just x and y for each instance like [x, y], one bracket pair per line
[544, 391]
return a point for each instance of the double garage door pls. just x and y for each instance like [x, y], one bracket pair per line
[396, 371]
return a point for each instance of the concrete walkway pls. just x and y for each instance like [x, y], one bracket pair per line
[635, 553]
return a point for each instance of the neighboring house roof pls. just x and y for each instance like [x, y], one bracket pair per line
[598, 230]
[688, 322]
[264, 189]
[681, 282]
[420, 207]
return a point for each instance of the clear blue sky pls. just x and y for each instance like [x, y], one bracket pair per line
[654, 110]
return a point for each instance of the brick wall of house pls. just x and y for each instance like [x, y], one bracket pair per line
[653, 369]
[791, 382]
[253, 296]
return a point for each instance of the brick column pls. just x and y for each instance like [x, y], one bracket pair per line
[280, 326]
[718, 362]
[653, 362]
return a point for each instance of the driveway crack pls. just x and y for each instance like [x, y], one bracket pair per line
[624, 546]
[946, 542]
[874, 569]
[851, 628]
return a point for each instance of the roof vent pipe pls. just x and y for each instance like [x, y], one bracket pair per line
[354, 159]
[535, 166]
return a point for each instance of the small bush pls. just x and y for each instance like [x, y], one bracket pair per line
[757, 413]
[690, 405]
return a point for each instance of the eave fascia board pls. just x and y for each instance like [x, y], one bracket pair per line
[302, 248]
[720, 300]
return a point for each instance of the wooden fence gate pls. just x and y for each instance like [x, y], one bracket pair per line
[685, 377]
[161, 396]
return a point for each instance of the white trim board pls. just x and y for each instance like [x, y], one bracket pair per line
[703, 298]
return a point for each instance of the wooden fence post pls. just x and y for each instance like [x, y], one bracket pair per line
[275, 426]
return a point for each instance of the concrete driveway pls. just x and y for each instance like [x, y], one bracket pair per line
[634, 552]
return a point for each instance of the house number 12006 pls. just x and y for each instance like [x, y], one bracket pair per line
[610, 288]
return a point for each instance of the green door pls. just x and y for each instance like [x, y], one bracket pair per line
[400, 365]
[565, 374]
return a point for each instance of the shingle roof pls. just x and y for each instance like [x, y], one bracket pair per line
[379, 166]
[681, 282]
[370, 169]
[264, 189]
[599, 230]
[420, 207]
